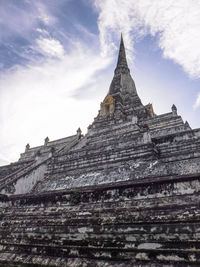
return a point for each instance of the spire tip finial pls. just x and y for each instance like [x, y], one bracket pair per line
[122, 39]
[122, 62]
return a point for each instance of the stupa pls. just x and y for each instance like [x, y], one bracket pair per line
[124, 194]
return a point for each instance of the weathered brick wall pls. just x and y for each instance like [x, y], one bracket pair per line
[11, 168]
[153, 223]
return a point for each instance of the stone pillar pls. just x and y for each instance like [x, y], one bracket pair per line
[146, 137]
[134, 119]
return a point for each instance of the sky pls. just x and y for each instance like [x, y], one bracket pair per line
[57, 59]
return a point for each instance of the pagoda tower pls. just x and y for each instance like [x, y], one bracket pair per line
[122, 102]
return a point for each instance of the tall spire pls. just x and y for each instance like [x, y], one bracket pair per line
[122, 65]
[122, 100]
[122, 82]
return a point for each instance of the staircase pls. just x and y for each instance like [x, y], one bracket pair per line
[33, 165]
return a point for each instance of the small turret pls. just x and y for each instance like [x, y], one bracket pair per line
[174, 110]
[79, 133]
[187, 125]
[46, 140]
[27, 147]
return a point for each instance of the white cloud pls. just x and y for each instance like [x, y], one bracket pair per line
[43, 14]
[50, 47]
[197, 103]
[38, 101]
[177, 24]
[42, 31]
[21, 19]
[16, 20]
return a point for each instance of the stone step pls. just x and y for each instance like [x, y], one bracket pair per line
[173, 228]
[86, 210]
[108, 200]
[107, 255]
[127, 209]
[164, 241]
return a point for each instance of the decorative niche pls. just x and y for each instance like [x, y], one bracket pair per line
[107, 106]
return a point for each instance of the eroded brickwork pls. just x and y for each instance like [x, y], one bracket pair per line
[135, 224]
[125, 194]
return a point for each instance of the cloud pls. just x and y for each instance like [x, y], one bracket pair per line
[50, 47]
[197, 103]
[24, 25]
[42, 31]
[43, 16]
[21, 18]
[38, 100]
[176, 23]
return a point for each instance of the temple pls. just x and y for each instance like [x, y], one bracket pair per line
[124, 194]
